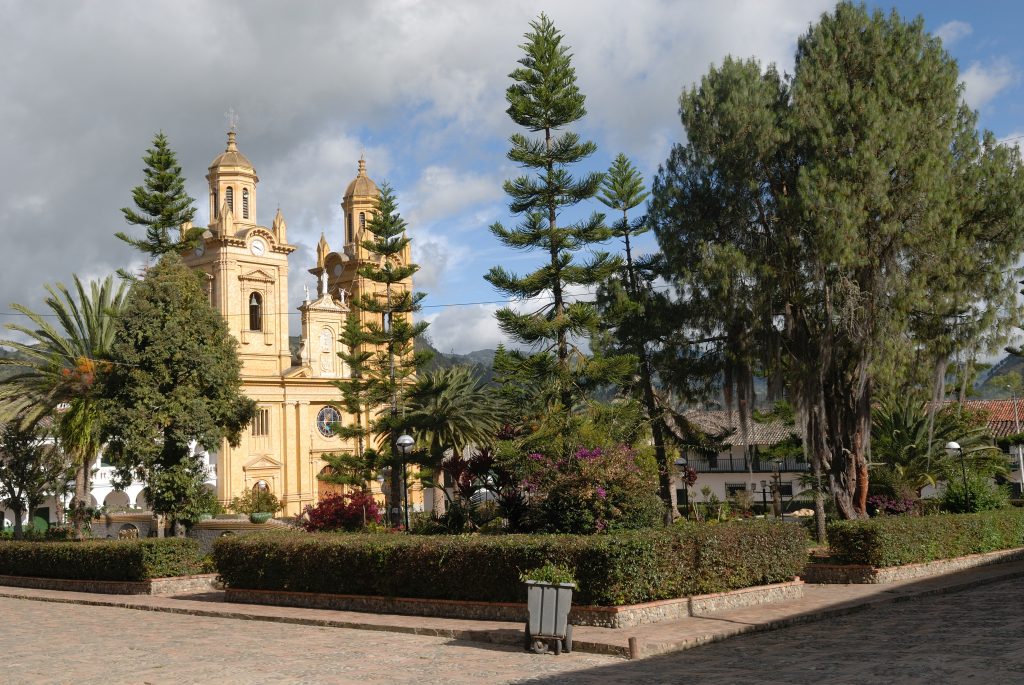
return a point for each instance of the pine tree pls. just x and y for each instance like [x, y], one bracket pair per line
[162, 205]
[625, 300]
[817, 225]
[544, 99]
[357, 400]
[389, 371]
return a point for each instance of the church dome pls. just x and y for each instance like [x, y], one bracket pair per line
[362, 185]
[231, 157]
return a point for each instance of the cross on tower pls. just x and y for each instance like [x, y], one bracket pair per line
[232, 118]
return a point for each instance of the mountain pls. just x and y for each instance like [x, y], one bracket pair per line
[481, 361]
[990, 387]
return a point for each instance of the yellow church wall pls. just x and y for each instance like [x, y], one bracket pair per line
[239, 258]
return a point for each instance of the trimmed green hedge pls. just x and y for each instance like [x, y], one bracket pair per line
[612, 569]
[897, 540]
[102, 559]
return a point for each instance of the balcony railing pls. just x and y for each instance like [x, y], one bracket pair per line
[730, 464]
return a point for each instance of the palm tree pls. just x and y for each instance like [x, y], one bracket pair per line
[905, 461]
[450, 410]
[55, 372]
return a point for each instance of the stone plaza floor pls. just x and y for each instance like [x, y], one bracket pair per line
[971, 636]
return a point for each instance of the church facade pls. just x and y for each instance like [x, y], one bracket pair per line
[246, 266]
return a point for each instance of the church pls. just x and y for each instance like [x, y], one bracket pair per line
[246, 269]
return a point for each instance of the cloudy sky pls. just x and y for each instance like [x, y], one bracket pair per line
[418, 86]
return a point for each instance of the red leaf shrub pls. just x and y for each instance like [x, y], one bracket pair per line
[351, 511]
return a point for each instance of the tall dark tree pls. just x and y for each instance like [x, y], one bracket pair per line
[161, 203]
[809, 224]
[544, 99]
[390, 370]
[175, 380]
[625, 300]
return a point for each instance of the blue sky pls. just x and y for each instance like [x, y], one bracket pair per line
[416, 86]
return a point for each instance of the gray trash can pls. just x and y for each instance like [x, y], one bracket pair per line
[548, 605]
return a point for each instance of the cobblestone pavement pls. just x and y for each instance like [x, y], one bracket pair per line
[45, 642]
[973, 636]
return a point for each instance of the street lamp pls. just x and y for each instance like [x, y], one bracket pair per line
[952, 449]
[764, 498]
[404, 444]
[777, 479]
[681, 463]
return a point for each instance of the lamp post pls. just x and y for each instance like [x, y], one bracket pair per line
[777, 483]
[952, 449]
[764, 497]
[405, 443]
[681, 463]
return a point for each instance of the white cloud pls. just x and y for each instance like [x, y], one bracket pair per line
[433, 254]
[420, 85]
[443, 192]
[463, 329]
[982, 83]
[952, 31]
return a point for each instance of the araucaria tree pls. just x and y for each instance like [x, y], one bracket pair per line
[162, 205]
[627, 301]
[832, 213]
[175, 380]
[391, 331]
[544, 99]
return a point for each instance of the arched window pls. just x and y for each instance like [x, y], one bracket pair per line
[216, 204]
[348, 228]
[229, 197]
[245, 203]
[255, 312]
[362, 220]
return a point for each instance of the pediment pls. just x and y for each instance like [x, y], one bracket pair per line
[263, 462]
[327, 303]
[258, 275]
[299, 372]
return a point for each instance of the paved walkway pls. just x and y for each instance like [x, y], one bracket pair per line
[202, 640]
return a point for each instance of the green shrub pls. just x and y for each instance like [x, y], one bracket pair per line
[102, 559]
[897, 540]
[981, 494]
[549, 573]
[256, 501]
[611, 569]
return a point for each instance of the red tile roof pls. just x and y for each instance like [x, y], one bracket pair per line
[1001, 418]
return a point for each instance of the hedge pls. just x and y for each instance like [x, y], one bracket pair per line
[122, 560]
[897, 540]
[611, 569]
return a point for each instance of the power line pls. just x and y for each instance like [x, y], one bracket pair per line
[537, 299]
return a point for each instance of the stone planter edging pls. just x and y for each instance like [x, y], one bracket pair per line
[862, 573]
[177, 585]
[607, 617]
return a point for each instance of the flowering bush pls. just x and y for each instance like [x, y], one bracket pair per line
[351, 511]
[593, 490]
[889, 506]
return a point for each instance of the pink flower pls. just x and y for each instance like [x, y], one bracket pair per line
[601, 492]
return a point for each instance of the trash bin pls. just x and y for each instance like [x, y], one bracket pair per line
[548, 605]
